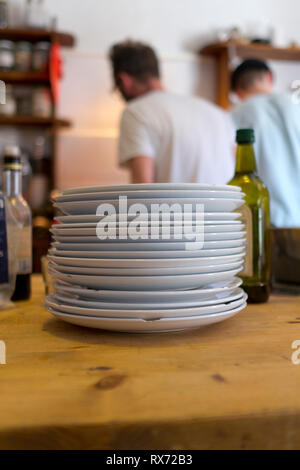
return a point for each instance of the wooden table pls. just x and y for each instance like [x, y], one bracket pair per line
[229, 386]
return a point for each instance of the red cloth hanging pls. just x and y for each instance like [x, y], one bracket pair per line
[55, 70]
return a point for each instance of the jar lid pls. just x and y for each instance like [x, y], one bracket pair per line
[6, 43]
[12, 158]
[12, 151]
[25, 44]
[42, 45]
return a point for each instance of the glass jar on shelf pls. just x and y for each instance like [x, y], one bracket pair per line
[3, 14]
[7, 55]
[42, 103]
[10, 106]
[23, 56]
[36, 14]
[24, 101]
[40, 56]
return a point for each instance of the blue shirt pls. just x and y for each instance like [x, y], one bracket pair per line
[276, 121]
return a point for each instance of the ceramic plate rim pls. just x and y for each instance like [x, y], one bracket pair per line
[235, 283]
[149, 187]
[239, 293]
[128, 313]
[227, 314]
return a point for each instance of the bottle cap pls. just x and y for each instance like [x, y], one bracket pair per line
[12, 158]
[245, 136]
[12, 151]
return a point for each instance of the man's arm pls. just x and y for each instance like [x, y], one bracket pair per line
[136, 147]
[142, 170]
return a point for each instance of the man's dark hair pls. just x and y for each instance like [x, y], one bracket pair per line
[135, 58]
[247, 73]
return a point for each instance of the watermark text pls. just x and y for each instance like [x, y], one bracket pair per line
[296, 354]
[296, 92]
[179, 222]
[2, 353]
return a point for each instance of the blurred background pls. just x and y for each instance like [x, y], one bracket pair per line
[61, 108]
[177, 29]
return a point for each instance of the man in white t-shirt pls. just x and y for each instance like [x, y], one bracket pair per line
[166, 137]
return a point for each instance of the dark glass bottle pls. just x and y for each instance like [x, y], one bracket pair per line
[256, 216]
[12, 179]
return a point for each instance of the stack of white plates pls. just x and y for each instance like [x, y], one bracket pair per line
[154, 281]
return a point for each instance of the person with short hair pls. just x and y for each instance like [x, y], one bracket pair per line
[252, 77]
[165, 137]
[276, 121]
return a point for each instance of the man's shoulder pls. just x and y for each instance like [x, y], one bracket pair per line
[259, 104]
[197, 102]
[263, 100]
[141, 104]
[165, 98]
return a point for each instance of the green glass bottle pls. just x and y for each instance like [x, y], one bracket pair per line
[256, 215]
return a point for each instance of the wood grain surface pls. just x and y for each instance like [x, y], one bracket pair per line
[229, 386]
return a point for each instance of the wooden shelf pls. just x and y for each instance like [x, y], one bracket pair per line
[224, 52]
[33, 121]
[249, 50]
[36, 35]
[35, 124]
[24, 77]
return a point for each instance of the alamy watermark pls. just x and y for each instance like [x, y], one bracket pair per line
[296, 91]
[296, 354]
[2, 92]
[2, 353]
[178, 222]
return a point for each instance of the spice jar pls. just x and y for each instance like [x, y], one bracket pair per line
[7, 58]
[40, 57]
[42, 103]
[24, 101]
[3, 14]
[23, 56]
[10, 106]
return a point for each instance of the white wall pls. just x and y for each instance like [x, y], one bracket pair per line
[176, 28]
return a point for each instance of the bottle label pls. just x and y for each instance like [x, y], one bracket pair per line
[248, 221]
[3, 244]
[25, 252]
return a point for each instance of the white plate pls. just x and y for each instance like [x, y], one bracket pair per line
[143, 326]
[154, 283]
[188, 238]
[90, 207]
[228, 226]
[151, 187]
[90, 229]
[61, 297]
[109, 195]
[157, 314]
[213, 292]
[145, 263]
[209, 217]
[158, 246]
[145, 271]
[94, 239]
[58, 250]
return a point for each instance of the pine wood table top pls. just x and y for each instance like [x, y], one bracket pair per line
[229, 386]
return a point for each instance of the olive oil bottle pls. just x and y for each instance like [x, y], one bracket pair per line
[256, 215]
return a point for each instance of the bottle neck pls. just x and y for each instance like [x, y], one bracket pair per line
[12, 183]
[245, 159]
